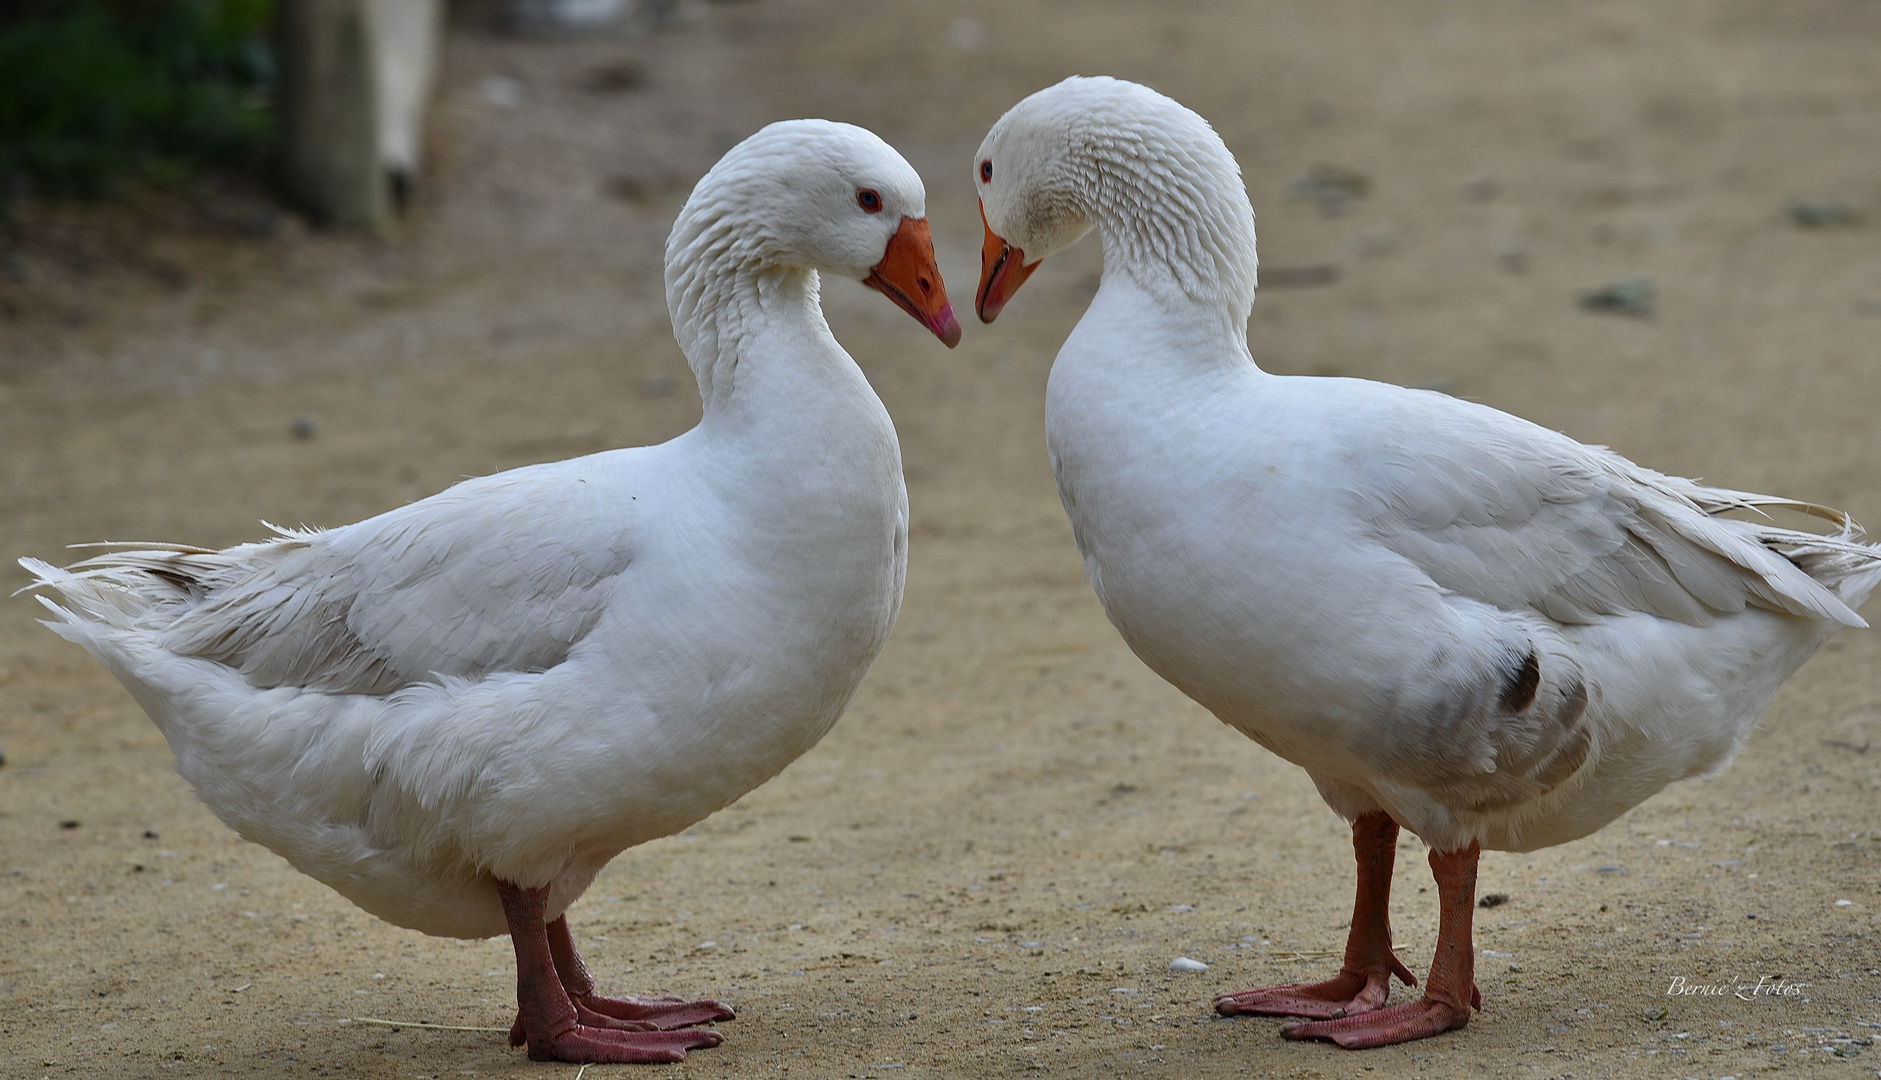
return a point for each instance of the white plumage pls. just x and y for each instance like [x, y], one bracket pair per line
[503, 686]
[1451, 618]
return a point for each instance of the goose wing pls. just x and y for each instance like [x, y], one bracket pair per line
[499, 573]
[1495, 508]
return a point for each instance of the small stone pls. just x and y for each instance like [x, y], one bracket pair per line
[1628, 296]
[1333, 188]
[658, 386]
[303, 426]
[1183, 963]
[1822, 214]
[630, 189]
[1494, 899]
[615, 78]
[967, 34]
[1299, 277]
[502, 91]
[69, 823]
[1845, 903]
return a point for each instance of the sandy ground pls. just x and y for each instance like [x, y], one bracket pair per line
[987, 867]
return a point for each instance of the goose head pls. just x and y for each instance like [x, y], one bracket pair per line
[1151, 176]
[820, 196]
[1030, 200]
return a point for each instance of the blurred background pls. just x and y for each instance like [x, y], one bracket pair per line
[307, 260]
[160, 159]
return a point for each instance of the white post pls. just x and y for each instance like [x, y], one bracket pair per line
[408, 34]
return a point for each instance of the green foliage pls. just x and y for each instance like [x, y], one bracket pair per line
[93, 89]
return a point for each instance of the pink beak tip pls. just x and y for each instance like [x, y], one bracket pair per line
[946, 327]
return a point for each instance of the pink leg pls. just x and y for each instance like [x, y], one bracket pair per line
[1364, 981]
[634, 1013]
[548, 1020]
[1449, 992]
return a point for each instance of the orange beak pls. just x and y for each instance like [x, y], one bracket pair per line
[907, 275]
[1002, 271]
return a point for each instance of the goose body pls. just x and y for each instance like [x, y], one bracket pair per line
[457, 712]
[1457, 622]
[585, 688]
[1359, 578]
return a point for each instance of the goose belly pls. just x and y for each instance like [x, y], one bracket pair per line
[1669, 702]
[679, 702]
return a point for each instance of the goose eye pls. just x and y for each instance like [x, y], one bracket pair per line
[869, 201]
[986, 172]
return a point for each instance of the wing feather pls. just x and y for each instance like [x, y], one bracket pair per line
[1527, 519]
[500, 573]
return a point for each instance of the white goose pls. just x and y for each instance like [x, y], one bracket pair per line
[1457, 622]
[457, 712]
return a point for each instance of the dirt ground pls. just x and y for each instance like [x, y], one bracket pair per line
[987, 867]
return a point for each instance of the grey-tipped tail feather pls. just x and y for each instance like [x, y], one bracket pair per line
[118, 594]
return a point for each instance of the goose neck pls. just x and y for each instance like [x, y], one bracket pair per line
[1172, 213]
[726, 310]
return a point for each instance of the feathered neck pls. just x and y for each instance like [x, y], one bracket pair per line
[724, 284]
[1165, 196]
